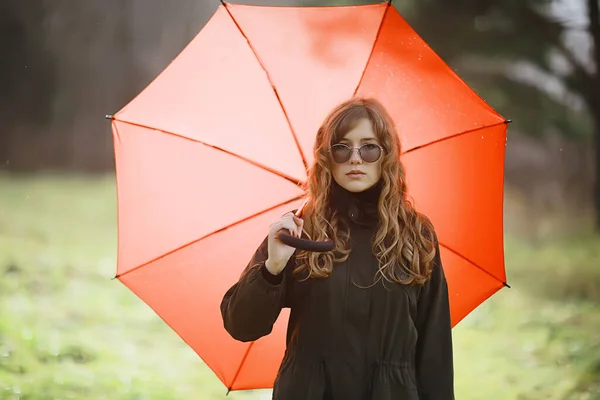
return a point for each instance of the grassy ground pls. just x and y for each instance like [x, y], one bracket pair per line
[68, 332]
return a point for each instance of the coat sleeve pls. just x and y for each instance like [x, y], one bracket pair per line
[252, 305]
[434, 356]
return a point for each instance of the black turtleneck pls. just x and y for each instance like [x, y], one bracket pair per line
[359, 207]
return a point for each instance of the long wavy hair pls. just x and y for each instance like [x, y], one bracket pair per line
[403, 243]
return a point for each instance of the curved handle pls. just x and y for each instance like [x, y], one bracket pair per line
[305, 244]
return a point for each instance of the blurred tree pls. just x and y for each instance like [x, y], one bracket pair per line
[67, 64]
[27, 74]
[512, 52]
[594, 95]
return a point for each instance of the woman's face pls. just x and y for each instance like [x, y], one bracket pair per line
[355, 174]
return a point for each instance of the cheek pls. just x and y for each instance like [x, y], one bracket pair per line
[336, 171]
[377, 170]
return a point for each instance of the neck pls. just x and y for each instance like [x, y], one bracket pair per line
[360, 207]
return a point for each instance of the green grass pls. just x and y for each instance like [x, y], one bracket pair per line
[67, 331]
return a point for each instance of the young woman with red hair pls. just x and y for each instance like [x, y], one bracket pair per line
[369, 319]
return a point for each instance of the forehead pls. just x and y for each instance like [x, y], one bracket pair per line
[361, 132]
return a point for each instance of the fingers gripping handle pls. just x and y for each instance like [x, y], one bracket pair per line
[305, 244]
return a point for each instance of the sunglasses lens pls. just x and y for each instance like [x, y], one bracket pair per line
[340, 153]
[370, 153]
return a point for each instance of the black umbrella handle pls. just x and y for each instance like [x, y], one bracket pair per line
[305, 244]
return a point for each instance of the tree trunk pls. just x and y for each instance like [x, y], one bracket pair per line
[597, 170]
[594, 18]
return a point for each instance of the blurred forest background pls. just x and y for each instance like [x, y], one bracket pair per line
[68, 332]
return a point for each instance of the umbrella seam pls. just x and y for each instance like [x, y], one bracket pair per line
[118, 276]
[504, 122]
[295, 181]
[116, 158]
[387, 7]
[240, 367]
[473, 263]
[258, 59]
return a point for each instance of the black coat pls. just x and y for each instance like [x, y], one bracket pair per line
[345, 341]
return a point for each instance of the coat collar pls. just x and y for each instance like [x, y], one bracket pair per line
[360, 208]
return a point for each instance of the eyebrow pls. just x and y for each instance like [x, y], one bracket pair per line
[363, 140]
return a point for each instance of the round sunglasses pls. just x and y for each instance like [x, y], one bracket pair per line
[341, 153]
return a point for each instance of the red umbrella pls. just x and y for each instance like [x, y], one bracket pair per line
[215, 147]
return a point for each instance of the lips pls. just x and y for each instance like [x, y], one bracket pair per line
[355, 172]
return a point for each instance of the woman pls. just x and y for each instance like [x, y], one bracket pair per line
[371, 319]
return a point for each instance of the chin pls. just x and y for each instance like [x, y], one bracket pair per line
[356, 186]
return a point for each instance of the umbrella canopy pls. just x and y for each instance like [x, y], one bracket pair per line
[214, 150]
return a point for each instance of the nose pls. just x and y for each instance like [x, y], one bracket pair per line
[355, 157]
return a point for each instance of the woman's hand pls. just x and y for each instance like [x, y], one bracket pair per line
[279, 253]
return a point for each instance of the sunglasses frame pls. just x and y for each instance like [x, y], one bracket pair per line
[358, 149]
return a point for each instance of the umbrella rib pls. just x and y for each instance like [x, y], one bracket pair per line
[240, 367]
[263, 167]
[389, 3]
[287, 118]
[456, 135]
[118, 276]
[473, 264]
